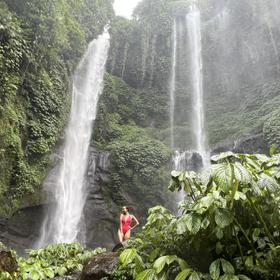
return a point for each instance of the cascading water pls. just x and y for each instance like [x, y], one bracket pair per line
[172, 86]
[124, 59]
[63, 224]
[194, 31]
[183, 160]
[178, 159]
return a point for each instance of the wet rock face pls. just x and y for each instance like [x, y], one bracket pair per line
[22, 229]
[195, 162]
[100, 266]
[7, 262]
[100, 210]
[254, 143]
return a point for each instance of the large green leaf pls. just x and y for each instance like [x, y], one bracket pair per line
[223, 176]
[162, 261]
[190, 222]
[183, 274]
[249, 262]
[193, 222]
[240, 195]
[204, 203]
[49, 272]
[154, 254]
[205, 223]
[128, 256]
[223, 217]
[148, 274]
[227, 267]
[223, 156]
[181, 226]
[159, 264]
[241, 173]
[182, 263]
[194, 276]
[219, 232]
[268, 182]
[34, 274]
[139, 265]
[61, 270]
[215, 269]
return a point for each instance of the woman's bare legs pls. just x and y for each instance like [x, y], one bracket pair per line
[121, 236]
[127, 235]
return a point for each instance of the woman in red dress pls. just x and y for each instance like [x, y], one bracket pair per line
[126, 220]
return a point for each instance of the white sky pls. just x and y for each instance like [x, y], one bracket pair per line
[125, 7]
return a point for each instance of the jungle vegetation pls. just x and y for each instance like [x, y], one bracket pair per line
[229, 227]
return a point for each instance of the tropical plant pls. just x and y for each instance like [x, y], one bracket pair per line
[51, 261]
[229, 227]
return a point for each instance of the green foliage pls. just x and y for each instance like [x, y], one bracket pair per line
[271, 128]
[40, 45]
[140, 49]
[138, 162]
[232, 117]
[229, 227]
[145, 156]
[51, 261]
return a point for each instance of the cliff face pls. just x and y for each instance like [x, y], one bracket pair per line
[240, 51]
[241, 69]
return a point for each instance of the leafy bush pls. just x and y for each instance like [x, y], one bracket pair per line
[51, 261]
[229, 227]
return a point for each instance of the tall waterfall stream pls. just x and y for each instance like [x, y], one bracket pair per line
[181, 158]
[62, 224]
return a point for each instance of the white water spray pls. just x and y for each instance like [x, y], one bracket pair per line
[194, 31]
[64, 223]
[172, 86]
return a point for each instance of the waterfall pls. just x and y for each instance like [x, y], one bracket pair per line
[152, 59]
[172, 86]
[63, 224]
[198, 127]
[145, 49]
[179, 160]
[125, 53]
[195, 157]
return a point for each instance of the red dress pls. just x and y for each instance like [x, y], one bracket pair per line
[126, 224]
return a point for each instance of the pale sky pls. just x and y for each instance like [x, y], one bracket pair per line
[125, 7]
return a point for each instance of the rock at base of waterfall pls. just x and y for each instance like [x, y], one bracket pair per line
[195, 162]
[253, 143]
[7, 262]
[100, 266]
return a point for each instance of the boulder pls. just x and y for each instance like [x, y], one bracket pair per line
[100, 212]
[100, 266]
[254, 143]
[7, 262]
[22, 229]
